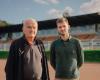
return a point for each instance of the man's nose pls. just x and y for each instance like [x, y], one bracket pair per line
[32, 29]
[62, 28]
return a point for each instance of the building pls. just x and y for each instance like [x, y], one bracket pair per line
[85, 27]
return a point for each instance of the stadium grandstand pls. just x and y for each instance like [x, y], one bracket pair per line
[84, 27]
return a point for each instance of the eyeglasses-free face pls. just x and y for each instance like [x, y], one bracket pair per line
[30, 28]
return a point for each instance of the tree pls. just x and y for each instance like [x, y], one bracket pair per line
[3, 23]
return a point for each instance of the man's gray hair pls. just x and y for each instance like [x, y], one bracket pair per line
[31, 20]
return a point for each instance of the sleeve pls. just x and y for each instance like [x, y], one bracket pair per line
[9, 68]
[52, 56]
[80, 55]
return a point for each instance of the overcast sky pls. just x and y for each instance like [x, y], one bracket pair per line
[14, 11]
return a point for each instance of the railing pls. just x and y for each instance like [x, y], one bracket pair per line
[91, 44]
[86, 45]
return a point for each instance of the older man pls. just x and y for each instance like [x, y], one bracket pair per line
[26, 60]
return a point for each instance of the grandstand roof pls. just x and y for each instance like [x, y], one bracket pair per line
[80, 20]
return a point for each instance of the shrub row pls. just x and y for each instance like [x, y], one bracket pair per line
[92, 56]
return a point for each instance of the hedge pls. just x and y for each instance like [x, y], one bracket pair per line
[3, 54]
[89, 55]
[92, 56]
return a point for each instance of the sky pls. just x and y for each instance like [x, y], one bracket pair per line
[15, 11]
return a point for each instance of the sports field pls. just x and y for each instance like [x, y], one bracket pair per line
[89, 71]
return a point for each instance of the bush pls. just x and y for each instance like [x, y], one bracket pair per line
[3, 54]
[92, 56]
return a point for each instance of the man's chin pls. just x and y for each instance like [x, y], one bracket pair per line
[62, 33]
[30, 36]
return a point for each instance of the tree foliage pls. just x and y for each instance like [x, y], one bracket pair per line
[3, 23]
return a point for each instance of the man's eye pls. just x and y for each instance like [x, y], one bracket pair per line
[28, 26]
[59, 27]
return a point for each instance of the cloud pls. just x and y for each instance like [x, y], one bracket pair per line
[54, 13]
[90, 7]
[41, 1]
[47, 1]
[54, 1]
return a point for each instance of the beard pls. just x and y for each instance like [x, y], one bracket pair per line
[61, 34]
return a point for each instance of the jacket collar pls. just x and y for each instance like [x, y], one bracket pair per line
[24, 40]
[67, 39]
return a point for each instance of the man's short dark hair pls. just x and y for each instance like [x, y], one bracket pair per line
[62, 19]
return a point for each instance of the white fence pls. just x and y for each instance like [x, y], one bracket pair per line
[5, 46]
[86, 45]
[91, 44]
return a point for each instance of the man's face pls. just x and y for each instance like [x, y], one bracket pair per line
[63, 28]
[30, 29]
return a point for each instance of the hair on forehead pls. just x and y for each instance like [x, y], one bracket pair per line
[62, 19]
